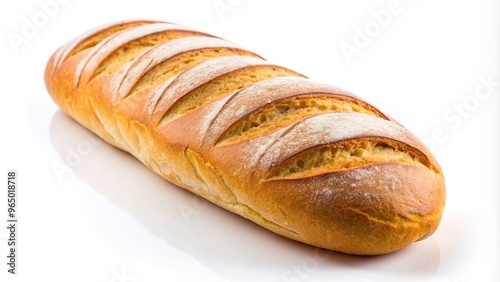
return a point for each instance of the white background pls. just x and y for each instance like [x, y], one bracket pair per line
[110, 219]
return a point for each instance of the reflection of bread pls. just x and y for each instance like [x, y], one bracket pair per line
[306, 160]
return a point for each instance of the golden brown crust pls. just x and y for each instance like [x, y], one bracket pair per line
[309, 161]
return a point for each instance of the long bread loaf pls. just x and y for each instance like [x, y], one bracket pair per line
[306, 160]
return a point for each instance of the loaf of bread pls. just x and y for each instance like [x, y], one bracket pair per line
[306, 160]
